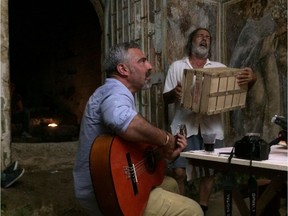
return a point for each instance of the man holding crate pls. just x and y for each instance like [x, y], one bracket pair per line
[198, 51]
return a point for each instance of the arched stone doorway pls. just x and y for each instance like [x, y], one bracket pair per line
[49, 48]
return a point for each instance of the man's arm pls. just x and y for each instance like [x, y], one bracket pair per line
[140, 130]
[173, 95]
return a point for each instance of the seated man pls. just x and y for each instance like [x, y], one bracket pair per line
[111, 110]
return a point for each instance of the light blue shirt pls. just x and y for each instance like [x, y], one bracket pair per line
[109, 110]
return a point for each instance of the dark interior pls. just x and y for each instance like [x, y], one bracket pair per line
[55, 53]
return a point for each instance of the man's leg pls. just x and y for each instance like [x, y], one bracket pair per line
[179, 166]
[205, 190]
[90, 205]
[207, 183]
[180, 176]
[162, 202]
[26, 120]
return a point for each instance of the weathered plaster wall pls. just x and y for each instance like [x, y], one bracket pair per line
[258, 30]
[4, 86]
[185, 16]
[244, 33]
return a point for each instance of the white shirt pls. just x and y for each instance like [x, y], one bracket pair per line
[192, 120]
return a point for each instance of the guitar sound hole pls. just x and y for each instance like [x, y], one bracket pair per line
[150, 160]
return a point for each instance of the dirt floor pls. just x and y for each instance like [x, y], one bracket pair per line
[43, 193]
[46, 188]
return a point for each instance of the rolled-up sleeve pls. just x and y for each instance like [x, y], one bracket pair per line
[118, 111]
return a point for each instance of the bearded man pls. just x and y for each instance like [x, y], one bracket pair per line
[198, 52]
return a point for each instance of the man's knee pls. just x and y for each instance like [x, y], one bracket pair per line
[170, 184]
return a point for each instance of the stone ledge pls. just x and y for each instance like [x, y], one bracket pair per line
[44, 156]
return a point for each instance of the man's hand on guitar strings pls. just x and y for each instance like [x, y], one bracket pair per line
[181, 141]
[180, 145]
[174, 147]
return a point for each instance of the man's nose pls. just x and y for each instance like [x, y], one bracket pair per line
[206, 37]
[149, 66]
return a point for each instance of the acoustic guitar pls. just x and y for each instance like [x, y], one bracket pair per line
[123, 174]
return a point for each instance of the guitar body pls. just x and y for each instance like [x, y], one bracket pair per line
[123, 174]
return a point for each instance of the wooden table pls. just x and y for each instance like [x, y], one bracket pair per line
[275, 168]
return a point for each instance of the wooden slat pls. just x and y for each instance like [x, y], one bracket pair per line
[215, 90]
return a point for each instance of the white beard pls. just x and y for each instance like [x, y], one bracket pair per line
[200, 51]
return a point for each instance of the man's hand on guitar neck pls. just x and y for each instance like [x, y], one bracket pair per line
[174, 146]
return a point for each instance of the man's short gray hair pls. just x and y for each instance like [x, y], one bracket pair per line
[117, 54]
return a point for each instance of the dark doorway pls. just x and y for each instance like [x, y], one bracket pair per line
[55, 63]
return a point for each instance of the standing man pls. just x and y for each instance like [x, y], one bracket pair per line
[111, 110]
[198, 51]
[19, 113]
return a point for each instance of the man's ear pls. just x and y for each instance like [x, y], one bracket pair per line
[122, 69]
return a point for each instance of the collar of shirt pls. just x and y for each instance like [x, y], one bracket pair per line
[186, 59]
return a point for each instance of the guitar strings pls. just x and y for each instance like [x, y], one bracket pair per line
[140, 166]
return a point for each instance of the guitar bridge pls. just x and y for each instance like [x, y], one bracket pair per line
[131, 171]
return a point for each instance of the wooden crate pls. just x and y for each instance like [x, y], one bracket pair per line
[212, 90]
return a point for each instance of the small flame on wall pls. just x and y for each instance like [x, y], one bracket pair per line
[52, 125]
